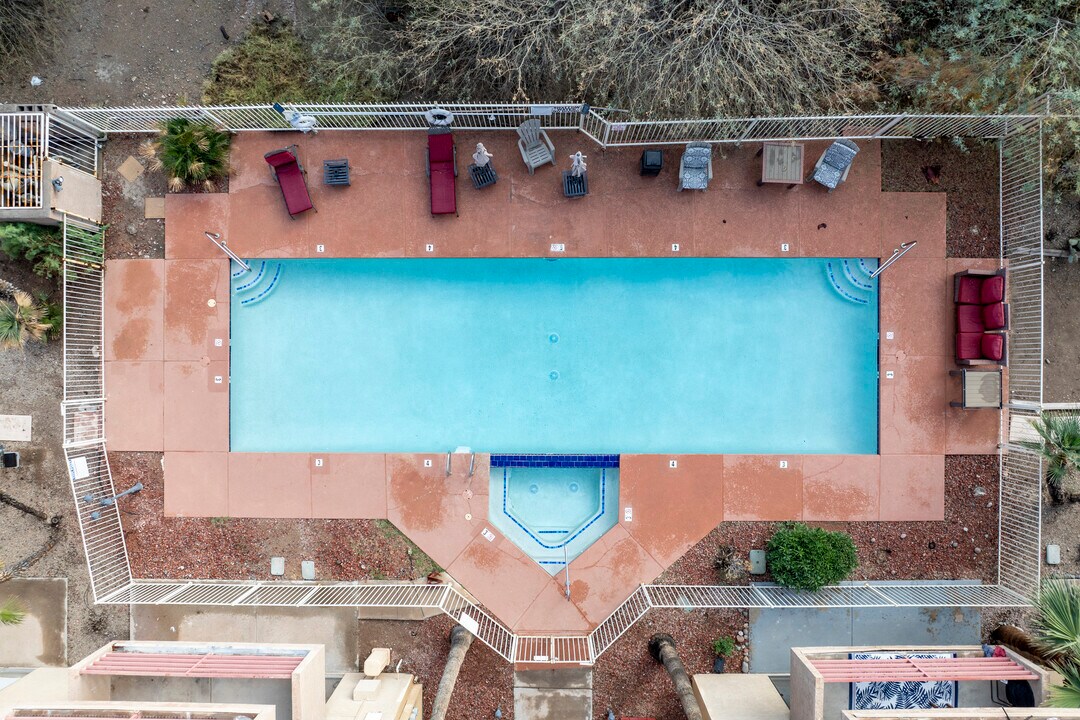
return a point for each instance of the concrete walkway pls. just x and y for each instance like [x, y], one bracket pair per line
[774, 632]
[564, 694]
[40, 640]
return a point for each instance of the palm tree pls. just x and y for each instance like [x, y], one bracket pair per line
[662, 648]
[1059, 445]
[21, 320]
[1057, 619]
[11, 612]
[460, 641]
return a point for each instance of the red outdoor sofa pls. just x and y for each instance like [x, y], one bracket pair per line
[982, 317]
[289, 174]
[442, 171]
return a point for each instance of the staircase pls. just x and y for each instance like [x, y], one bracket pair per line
[256, 285]
[850, 278]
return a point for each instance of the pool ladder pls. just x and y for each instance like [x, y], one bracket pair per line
[896, 255]
[450, 462]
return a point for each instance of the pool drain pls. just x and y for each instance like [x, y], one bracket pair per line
[553, 338]
[534, 488]
[554, 374]
[573, 487]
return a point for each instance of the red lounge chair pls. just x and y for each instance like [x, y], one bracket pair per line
[979, 287]
[290, 178]
[442, 171]
[980, 348]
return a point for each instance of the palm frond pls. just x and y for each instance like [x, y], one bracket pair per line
[1067, 695]
[1057, 623]
[12, 612]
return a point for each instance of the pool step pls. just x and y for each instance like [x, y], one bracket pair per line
[257, 285]
[850, 280]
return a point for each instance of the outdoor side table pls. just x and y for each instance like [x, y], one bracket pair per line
[782, 163]
[981, 389]
[652, 162]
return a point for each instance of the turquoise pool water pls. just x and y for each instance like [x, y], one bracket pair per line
[754, 356]
[553, 513]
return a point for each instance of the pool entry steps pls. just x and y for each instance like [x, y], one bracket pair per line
[251, 286]
[554, 506]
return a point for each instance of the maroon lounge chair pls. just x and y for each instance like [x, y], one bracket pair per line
[976, 348]
[289, 174]
[442, 171]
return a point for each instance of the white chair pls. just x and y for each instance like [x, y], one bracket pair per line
[535, 146]
[695, 167]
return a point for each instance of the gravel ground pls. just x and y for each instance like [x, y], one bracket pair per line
[34, 386]
[130, 234]
[628, 680]
[241, 548]
[1061, 348]
[887, 550]
[969, 176]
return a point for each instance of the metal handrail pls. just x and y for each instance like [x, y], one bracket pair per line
[896, 255]
[216, 239]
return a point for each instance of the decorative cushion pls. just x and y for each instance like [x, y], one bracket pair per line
[968, 346]
[970, 287]
[969, 318]
[993, 290]
[695, 159]
[993, 346]
[993, 316]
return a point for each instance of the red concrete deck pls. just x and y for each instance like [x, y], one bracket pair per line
[166, 353]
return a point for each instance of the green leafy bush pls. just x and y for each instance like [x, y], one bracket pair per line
[723, 646]
[39, 245]
[806, 558]
[270, 64]
[191, 153]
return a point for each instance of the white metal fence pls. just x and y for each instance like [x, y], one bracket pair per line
[22, 152]
[608, 128]
[1020, 494]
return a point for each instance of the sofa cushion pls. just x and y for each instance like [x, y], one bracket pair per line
[969, 318]
[993, 290]
[695, 159]
[443, 189]
[969, 292]
[993, 346]
[968, 346]
[993, 316]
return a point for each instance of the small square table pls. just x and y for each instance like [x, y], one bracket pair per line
[652, 162]
[782, 163]
[982, 389]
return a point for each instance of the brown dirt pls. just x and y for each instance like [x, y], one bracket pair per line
[241, 548]
[628, 680]
[887, 550]
[152, 52]
[968, 175]
[1061, 327]
[130, 233]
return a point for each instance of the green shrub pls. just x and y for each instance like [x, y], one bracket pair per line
[723, 646]
[806, 558]
[39, 245]
[191, 153]
[52, 314]
[270, 64]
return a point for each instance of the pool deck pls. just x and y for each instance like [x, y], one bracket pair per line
[167, 358]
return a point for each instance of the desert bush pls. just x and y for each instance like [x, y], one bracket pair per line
[191, 153]
[27, 29]
[806, 558]
[270, 64]
[356, 58]
[21, 320]
[39, 245]
[654, 57]
[723, 646]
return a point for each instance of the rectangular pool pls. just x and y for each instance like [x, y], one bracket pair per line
[746, 356]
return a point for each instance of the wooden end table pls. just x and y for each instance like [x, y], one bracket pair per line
[782, 163]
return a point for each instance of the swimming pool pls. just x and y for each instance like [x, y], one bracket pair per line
[554, 506]
[702, 355]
